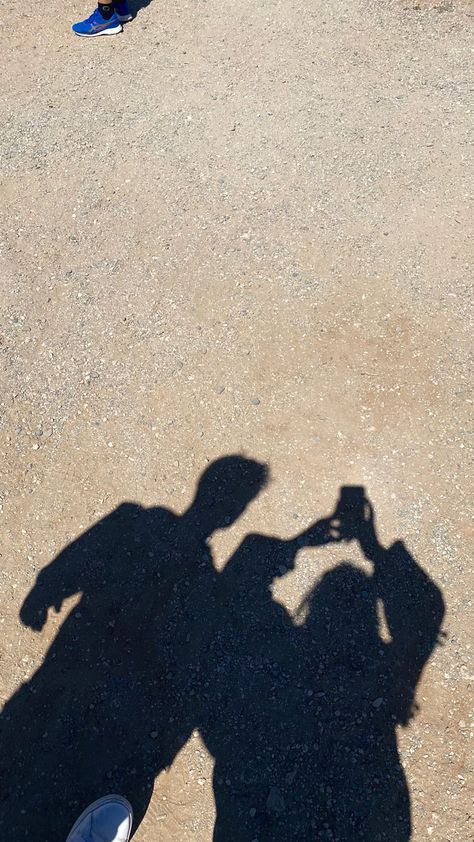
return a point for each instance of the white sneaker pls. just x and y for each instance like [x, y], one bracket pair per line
[107, 820]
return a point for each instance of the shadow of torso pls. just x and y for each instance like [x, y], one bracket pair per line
[97, 716]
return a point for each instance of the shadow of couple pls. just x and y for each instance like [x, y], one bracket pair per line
[300, 719]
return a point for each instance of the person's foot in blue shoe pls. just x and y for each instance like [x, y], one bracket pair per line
[122, 10]
[103, 21]
[107, 820]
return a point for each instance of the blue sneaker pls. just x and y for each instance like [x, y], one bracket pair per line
[97, 25]
[107, 820]
[122, 10]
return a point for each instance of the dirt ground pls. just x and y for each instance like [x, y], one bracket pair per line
[244, 228]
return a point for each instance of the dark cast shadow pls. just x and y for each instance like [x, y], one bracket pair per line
[136, 6]
[99, 716]
[300, 718]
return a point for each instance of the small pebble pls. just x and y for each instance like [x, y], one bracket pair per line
[275, 801]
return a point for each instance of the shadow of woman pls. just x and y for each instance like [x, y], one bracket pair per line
[99, 714]
[301, 720]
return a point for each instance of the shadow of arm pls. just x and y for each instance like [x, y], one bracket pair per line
[414, 611]
[77, 566]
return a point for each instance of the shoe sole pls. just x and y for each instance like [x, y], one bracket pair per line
[114, 31]
[100, 803]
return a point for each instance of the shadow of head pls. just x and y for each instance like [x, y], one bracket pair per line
[224, 491]
[343, 605]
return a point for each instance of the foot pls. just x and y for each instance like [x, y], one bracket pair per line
[97, 25]
[107, 820]
[122, 10]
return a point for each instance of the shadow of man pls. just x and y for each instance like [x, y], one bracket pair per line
[301, 720]
[99, 715]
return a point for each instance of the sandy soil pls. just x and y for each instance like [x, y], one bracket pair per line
[240, 229]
